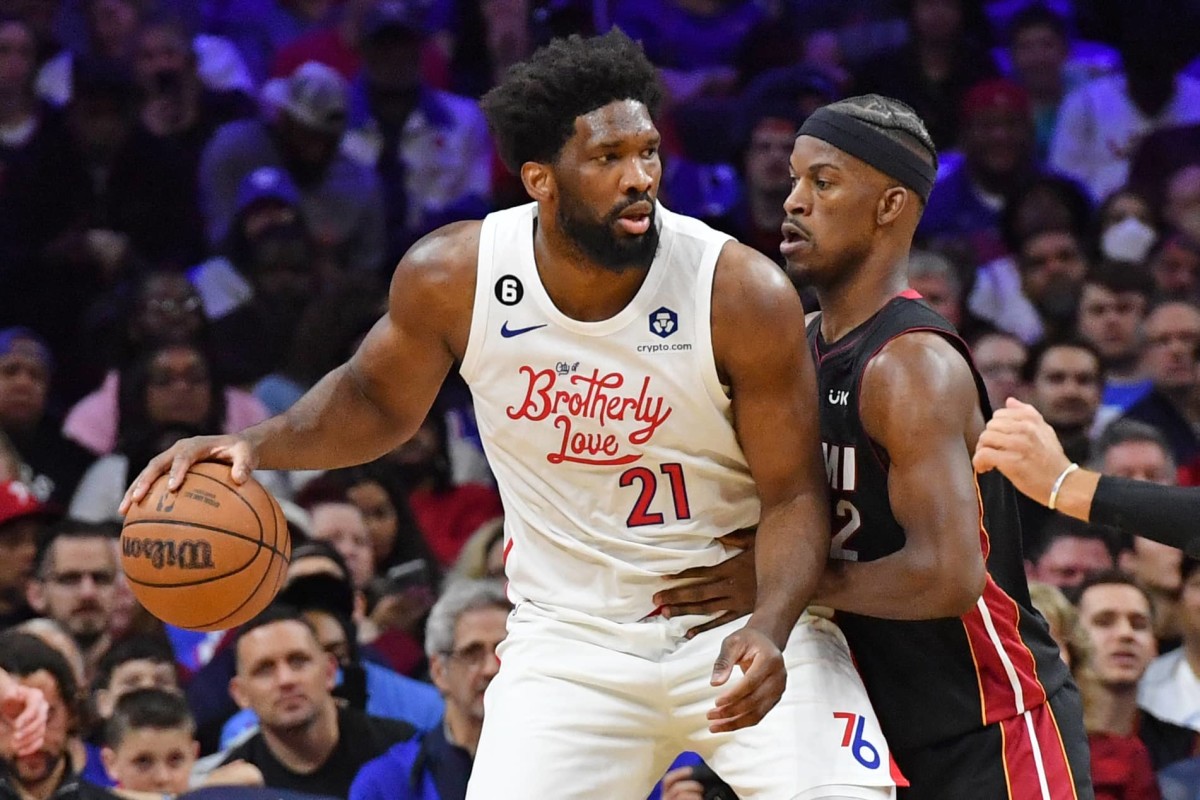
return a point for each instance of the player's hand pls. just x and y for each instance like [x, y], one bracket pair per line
[1019, 443]
[230, 449]
[678, 785]
[762, 684]
[727, 589]
[23, 712]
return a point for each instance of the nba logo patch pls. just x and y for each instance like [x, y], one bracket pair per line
[663, 322]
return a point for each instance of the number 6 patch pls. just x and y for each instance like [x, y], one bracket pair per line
[509, 290]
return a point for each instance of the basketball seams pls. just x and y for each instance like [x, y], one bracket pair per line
[277, 552]
[200, 525]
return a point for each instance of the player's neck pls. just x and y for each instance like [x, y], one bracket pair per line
[306, 749]
[1114, 709]
[858, 298]
[578, 287]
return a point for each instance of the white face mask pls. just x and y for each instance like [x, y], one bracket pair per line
[1128, 240]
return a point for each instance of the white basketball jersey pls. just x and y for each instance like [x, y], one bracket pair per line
[612, 442]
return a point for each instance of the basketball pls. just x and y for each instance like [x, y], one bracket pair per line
[210, 556]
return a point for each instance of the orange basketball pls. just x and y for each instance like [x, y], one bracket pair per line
[210, 556]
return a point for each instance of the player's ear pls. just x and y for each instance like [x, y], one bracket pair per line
[538, 179]
[892, 203]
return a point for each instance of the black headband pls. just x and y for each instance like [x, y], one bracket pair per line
[875, 148]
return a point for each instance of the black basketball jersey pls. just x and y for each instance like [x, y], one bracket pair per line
[929, 680]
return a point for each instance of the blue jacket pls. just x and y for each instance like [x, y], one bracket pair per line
[427, 767]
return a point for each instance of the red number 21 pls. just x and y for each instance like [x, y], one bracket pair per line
[641, 514]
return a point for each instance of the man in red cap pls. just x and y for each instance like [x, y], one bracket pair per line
[997, 144]
[21, 520]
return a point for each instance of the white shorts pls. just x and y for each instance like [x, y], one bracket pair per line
[590, 709]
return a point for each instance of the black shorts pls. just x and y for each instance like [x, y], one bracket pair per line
[1040, 755]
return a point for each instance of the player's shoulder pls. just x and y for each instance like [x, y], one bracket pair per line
[445, 255]
[918, 364]
[746, 273]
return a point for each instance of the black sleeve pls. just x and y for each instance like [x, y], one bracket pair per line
[1166, 514]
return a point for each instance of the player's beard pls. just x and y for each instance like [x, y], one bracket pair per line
[599, 241]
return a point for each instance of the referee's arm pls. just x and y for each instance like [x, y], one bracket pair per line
[1020, 444]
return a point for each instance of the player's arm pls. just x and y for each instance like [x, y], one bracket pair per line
[1025, 449]
[920, 404]
[762, 352]
[374, 402]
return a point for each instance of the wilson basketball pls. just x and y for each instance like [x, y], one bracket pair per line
[209, 556]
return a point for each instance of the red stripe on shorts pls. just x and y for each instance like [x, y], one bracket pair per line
[1035, 760]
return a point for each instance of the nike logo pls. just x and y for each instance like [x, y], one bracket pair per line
[508, 332]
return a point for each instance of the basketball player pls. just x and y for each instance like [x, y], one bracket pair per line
[23, 711]
[642, 387]
[926, 570]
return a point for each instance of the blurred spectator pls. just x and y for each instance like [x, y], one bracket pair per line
[1062, 619]
[378, 491]
[1000, 358]
[996, 135]
[57, 637]
[260, 28]
[483, 554]
[176, 104]
[491, 36]
[1112, 307]
[1066, 553]
[73, 585]
[942, 60]
[1047, 203]
[51, 465]
[306, 742]
[337, 44]
[1170, 689]
[695, 43]
[342, 200]
[447, 513]
[325, 335]
[1065, 380]
[1129, 449]
[112, 27]
[22, 519]
[255, 291]
[465, 627]
[1053, 264]
[324, 601]
[134, 195]
[149, 743]
[1171, 333]
[139, 662]
[1181, 208]
[48, 772]
[33, 137]
[1160, 155]
[1039, 43]
[935, 279]
[340, 523]
[167, 382]
[429, 148]
[774, 106]
[1127, 226]
[1101, 123]
[1175, 267]
[1116, 614]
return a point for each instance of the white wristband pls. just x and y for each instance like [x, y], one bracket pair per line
[1058, 485]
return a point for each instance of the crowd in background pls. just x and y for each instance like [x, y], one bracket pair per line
[201, 203]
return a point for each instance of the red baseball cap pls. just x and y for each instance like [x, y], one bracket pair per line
[995, 94]
[17, 501]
